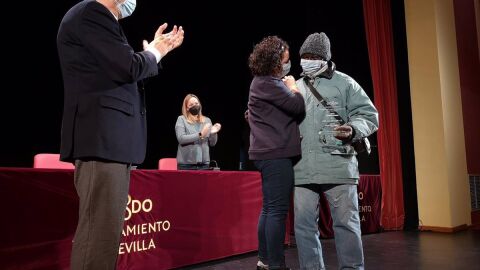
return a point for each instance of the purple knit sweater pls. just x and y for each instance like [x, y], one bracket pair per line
[274, 113]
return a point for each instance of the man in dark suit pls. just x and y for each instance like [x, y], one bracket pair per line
[104, 121]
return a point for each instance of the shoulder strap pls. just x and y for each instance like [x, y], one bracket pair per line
[322, 100]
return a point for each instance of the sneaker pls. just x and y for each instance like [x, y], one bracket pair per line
[262, 266]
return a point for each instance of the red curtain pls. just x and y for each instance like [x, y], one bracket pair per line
[378, 28]
[469, 65]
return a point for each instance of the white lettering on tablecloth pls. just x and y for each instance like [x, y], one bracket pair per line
[135, 246]
[134, 242]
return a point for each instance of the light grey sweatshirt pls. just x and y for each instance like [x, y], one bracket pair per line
[191, 148]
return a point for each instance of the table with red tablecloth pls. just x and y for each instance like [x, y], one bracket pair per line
[173, 218]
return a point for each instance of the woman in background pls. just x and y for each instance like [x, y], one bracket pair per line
[195, 135]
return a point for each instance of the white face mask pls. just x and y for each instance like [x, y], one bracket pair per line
[286, 68]
[313, 68]
[126, 8]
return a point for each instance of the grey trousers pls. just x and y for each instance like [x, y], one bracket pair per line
[102, 188]
[343, 201]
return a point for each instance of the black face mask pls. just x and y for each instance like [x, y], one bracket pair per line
[194, 110]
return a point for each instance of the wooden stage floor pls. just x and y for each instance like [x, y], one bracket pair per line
[411, 250]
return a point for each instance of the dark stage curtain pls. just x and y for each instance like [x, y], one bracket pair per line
[378, 28]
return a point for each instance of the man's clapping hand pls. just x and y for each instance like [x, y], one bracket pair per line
[164, 43]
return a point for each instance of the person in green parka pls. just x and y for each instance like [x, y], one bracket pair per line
[329, 163]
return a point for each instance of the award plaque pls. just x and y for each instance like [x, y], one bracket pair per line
[327, 132]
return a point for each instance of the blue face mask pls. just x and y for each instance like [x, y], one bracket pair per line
[286, 68]
[313, 68]
[126, 8]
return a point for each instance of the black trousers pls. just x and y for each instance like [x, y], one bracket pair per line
[102, 188]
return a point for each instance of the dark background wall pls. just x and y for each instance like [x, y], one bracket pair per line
[212, 63]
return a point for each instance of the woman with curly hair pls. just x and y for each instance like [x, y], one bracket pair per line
[275, 108]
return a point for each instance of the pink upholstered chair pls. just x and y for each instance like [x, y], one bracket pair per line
[50, 161]
[167, 164]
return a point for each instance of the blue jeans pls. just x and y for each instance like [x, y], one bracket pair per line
[343, 202]
[277, 187]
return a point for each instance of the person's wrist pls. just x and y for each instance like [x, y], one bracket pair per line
[155, 52]
[294, 89]
[200, 135]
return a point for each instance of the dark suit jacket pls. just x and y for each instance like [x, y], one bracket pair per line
[104, 112]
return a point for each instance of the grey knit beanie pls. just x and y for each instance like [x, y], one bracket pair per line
[317, 44]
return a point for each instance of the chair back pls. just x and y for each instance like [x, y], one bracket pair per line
[167, 164]
[50, 161]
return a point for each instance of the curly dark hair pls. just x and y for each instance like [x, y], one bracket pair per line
[266, 58]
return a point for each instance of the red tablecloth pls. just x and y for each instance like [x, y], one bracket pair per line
[174, 218]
